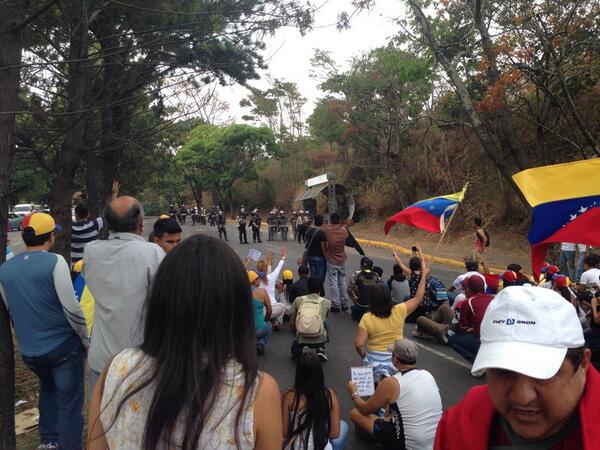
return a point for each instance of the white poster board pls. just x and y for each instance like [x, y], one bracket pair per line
[254, 254]
[362, 377]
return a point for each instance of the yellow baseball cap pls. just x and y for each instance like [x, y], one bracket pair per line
[78, 266]
[164, 216]
[39, 224]
[288, 274]
[252, 276]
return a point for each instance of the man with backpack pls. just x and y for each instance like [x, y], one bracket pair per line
[361, 287]
[308, 315]
[437, 322]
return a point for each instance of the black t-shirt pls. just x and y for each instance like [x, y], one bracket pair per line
[365, 282]
[315, 249]
[299, 289]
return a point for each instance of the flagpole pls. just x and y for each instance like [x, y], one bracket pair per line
[448, 225]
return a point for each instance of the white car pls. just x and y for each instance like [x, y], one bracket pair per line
[23, 209]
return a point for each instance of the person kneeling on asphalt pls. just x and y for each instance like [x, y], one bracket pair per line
[414, 402]
[360, 288]
[541, 393]
[261, 306]
[466, 339]
[308, 315]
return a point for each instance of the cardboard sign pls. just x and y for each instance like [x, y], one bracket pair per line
[362, 377]
[254, 255]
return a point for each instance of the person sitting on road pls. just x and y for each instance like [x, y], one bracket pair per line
[541, 392]
[269, 282]
[379, 271]
[382, 325]
[413, 272]
[414, 402]
[311, 410]
[262, 312]
[284, 288]
[193, 382]
[471, 268]
[438, 322]
[308, 316]
[398, 285]
[361, 287]
[300, 287]
[466, 339]
[166, 233]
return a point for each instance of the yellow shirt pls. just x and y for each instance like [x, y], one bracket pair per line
[383, 332]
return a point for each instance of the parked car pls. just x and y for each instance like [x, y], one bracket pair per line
[23, 209]
[14, 221]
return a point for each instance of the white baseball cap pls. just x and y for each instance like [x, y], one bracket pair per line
[527, 330]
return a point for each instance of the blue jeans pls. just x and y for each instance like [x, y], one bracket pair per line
[566, 263]
[337, 285]
[61, 393]
[580, 265]
[318, 267]
[338, 443]
[465, 344]
[263, 334]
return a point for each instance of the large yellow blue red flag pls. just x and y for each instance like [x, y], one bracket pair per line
[430, 214]
[566, 205]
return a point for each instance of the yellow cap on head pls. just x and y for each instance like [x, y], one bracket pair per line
[287, 274]
[252, 276]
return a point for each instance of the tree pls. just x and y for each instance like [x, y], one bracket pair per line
[228, 154]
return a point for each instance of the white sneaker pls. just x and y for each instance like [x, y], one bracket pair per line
[48, 446]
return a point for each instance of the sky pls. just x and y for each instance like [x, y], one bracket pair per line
[289, 53]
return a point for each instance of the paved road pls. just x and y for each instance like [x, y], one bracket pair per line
[449, 369]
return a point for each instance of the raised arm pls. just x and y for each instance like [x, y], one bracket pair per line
[413, 303]
[403, 266]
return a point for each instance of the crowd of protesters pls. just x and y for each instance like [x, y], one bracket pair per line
[175, 327]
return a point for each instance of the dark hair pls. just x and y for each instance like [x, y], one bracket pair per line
[477, 221]
[126, 223]
[335, 218]
[31, 240]
[471, 266]
[366, 262]
[566, 293]
[514, 267]
[575, 355]
[414, 263]
[378, 270]
[166, 226]
[318, 220]
[591, 260]
[398, 273]
[198, 318]
[81, 211]
[314, 416]
[303, 270]
[314, 285]
[381, 301]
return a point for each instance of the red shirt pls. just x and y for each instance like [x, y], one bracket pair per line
[472, 311]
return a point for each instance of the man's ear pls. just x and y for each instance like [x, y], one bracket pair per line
[586, 360]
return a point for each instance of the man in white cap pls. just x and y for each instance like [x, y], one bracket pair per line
[541, 393]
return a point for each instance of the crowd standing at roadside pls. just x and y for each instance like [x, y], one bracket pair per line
[169, 312]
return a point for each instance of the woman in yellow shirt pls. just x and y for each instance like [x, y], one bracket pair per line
[383, 325]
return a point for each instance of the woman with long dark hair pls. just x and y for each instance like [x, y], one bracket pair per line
[383, 325]
[311, 411]
[194, 382]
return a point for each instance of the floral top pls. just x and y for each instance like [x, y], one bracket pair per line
[127, 431]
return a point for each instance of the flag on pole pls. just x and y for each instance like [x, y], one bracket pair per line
[566, 205]
[429, 215]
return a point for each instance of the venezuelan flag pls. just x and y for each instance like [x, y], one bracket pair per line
[566, 205]
[429, 215]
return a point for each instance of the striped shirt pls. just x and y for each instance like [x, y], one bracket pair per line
[82, 233]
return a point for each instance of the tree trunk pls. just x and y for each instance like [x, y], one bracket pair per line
[490, 147]
[68, 158]
[10, 56]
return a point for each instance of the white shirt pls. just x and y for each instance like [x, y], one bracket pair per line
[567, 247]
[590, 278]
[272, 281]
[458, 283]
[118, 273]
[420, 407]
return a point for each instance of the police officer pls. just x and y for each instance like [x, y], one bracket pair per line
[255, 222]
[242, 223]
[221, 222]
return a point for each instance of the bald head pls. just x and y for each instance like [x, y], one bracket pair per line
[125, 215]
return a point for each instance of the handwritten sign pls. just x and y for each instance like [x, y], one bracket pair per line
[362, 377]
[254, 255]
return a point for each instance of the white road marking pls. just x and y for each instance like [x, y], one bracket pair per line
[442, 355]
[16, 243]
